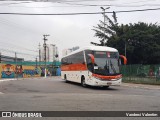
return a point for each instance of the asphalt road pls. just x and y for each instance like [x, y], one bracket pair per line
[53, 94]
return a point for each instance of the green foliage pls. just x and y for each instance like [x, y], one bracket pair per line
[142, 40]
[104, 31]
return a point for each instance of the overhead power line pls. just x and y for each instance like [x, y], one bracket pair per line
[85, 5]
[86, 13]
[141, 10]
[77, 4]
[109, 5]
[51, 13]
[15, 3]
[11, 51]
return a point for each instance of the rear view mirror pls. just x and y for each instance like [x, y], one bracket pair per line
[124, 59]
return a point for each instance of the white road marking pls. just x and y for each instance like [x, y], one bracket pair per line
[1, 93]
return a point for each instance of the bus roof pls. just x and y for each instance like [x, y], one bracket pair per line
[94, 48]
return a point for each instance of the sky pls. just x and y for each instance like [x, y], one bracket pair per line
[23, 33]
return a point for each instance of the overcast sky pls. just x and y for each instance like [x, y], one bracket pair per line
[23, 33]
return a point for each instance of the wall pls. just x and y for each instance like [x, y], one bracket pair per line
[9, 71]
[31, 71]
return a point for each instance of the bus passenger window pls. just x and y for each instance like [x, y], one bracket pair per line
[89, 64]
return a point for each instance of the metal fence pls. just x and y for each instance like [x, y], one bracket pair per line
[147, 74]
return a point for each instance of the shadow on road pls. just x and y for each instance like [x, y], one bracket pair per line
[91, 87]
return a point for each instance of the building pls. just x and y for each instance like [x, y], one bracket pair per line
[51, 53]
[4, 58]
[67, 51]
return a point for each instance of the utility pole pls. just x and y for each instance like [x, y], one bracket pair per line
[36, 62]
[0, 57]
[53, 52]
[48, 54]
[104, 9]
[16, 58]
[125, 47]
[45, 46]
[39, 53]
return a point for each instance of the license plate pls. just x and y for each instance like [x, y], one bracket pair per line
[109, 83]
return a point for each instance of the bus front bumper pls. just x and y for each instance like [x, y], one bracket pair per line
[97, 82]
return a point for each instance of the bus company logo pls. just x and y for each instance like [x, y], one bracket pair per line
[21, 114]
[6, 114]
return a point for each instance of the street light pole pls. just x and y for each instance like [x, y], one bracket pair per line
[45, 57]
[39, 54]
[16, 65]
[125, 49]
[104, 9]
[36, 62]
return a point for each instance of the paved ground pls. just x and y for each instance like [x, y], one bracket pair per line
[53, 94]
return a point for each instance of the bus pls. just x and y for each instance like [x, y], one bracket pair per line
[93, 66]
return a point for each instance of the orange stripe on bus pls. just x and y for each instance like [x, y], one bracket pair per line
[74, 67]
[107, 77]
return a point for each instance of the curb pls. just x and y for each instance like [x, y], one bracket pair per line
[155, 87]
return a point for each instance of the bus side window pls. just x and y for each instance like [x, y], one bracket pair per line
[89, 61]
[64, 61]
[89, 64]
[79, 58]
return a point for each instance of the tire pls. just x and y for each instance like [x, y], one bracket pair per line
[105, 87]
[83, 82]
[65, 78]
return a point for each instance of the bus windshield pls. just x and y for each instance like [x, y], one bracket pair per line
[106, 63]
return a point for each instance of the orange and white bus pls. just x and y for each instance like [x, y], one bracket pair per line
[93, 65]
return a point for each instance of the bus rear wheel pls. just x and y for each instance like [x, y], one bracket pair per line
[65, 78]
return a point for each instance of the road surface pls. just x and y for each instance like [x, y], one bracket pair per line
[53, 94]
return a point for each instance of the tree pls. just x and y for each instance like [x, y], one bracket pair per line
[142, 40]
[104, 33]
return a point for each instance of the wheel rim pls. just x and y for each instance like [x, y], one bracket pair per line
[83, 83]
[65, 78]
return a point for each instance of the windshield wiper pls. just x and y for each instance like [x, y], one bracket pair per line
[106, 67]
[112, 66]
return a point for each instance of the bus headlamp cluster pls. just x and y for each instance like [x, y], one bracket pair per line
[106, 79]
[101, 79]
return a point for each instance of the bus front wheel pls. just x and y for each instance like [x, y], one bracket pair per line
[105, 87]
[83, 82]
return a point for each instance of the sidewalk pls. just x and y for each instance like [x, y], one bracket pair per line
[10, 79]
[7, 79]
[145, 86]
